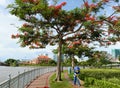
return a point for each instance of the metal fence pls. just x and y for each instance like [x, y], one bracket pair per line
[22, 80]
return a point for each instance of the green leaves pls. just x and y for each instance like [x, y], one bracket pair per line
[85, 21]
[28, 29]
[94, 1]
[101, 17]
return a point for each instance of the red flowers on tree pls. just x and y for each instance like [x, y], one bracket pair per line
[25, 25]
[70, 46]
[86, 4]
[15, 36]
[108, 43]
[63, 3]
[86, 24]
[88, 17]
[105, 0]
[38, 43]
[58, 7]
[25, 33]
[111, 31]
[31, 1]
[117, 8]
[76, 42]
[93, 5]
[111, 18]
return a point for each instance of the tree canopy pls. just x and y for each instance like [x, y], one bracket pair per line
[51, 24]
[11, 62]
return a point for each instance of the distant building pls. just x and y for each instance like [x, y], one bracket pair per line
[116, 54]
[2, 64]
[40, 59]
[55, 57]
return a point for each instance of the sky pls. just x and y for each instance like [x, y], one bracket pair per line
[9, 48]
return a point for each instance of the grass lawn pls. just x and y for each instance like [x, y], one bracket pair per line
[62, 84]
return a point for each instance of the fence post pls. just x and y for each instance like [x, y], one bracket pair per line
[9, 81]
[33, 74]
[18, 79]
[47, 69]
[23, 78]
[28, 76]
[39, 71]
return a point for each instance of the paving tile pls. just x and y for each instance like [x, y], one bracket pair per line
[41, 82]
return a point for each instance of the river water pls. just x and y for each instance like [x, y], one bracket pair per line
[13, 71]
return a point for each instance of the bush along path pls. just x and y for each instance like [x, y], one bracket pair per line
[71, 81]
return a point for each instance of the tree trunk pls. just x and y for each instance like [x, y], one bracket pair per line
[73, 64]
[58, 72]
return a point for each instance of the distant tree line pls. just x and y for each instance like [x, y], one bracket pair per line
[97, 60]
[12, 62]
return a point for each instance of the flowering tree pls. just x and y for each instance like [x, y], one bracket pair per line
[75, 49]
[51, 24]
[78, 50]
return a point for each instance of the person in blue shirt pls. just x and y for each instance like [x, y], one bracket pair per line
[76, 73]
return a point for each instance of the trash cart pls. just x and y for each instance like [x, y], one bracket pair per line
[69, 70]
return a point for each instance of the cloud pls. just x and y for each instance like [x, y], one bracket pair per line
[8, 46]
[16, 53]
[22, 53]
[4, 3]
[7, 29]
[116, 46]
[50, 2]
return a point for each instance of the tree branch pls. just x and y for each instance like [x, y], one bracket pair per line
[74, 31]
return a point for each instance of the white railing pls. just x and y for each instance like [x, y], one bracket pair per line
[24, 79]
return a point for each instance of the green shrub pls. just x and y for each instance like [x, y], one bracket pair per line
[106, 84]
[100, 73]
[114, 80]
[101, 78]
[89, 81]
[95, 83]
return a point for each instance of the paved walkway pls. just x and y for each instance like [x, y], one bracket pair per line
[71, 82]
[41, 82]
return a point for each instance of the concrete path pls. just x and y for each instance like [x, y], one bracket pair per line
[41, 82]
[71, 82]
